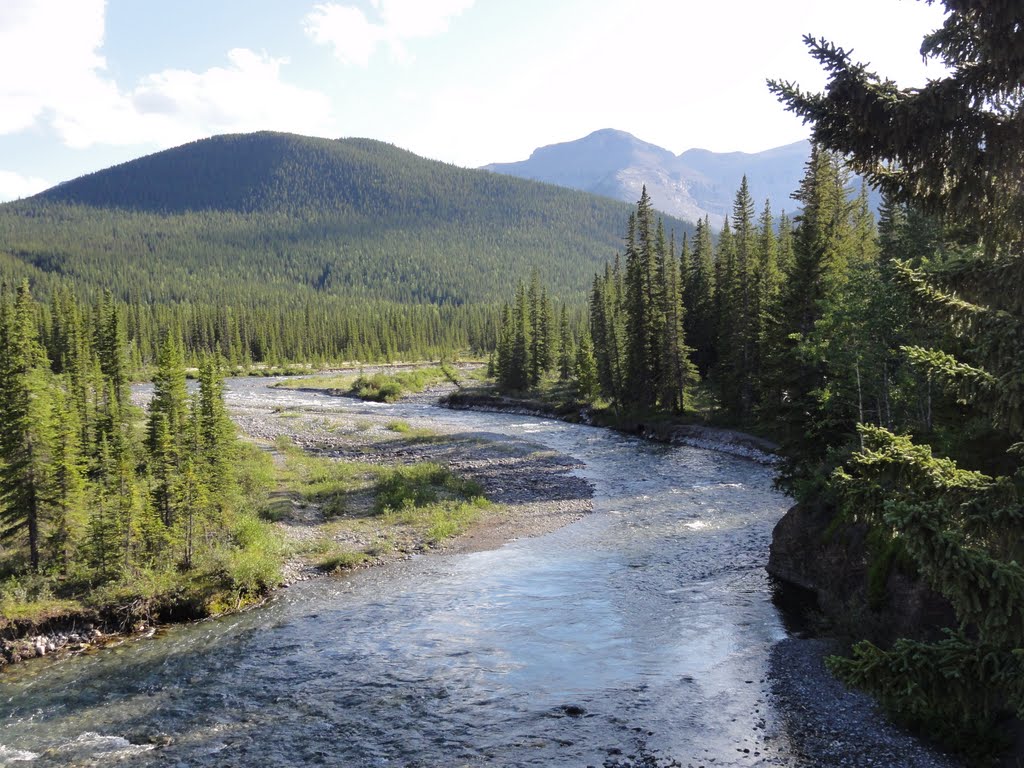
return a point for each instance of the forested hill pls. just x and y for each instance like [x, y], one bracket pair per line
[267, 213]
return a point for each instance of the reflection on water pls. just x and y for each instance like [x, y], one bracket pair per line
[640, 631]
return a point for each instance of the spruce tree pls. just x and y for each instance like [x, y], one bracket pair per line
[678, 372]
[952, 148]
[586, 370]
[67, 494]
[699, 299]
[738, 347]
[608, 332]
[216, 432]
[566, 346]
[25, 426]
[165, 428]
[726, 321]
[811, 422]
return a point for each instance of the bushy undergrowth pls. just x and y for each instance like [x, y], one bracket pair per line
[389, 387]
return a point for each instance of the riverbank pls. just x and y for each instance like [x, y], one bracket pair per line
[828, 725]
[660, 429]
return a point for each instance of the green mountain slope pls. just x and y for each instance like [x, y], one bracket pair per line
[272, 217]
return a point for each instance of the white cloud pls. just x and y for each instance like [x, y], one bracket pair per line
[14, 185]
[355, 38]
[175, 105]
[54, 47]
[347, 29]
[48, 50]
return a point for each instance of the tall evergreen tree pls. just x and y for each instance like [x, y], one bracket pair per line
[25, 425]
[699, 299]
[678, 372]
[645, 251]
[67, 493]
[566, 346]
[811, 422]
[953, 148]
[586, 369]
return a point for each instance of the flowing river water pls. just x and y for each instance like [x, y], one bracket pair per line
[639, 635]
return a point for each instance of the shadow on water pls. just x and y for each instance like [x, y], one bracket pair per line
[798, 608]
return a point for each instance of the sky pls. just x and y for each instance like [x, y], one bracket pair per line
[87, 84]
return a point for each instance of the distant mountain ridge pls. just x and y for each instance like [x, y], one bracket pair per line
[273, 217]
[696, 183]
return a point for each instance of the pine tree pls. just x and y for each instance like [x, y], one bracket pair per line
[566, 346]
[504, 350]
[644, 252]
[67, 494]
[726, 321]
[520, 361]
[165, 428]
[810, 421]
[699, 299]
[608, 332]
[768, 283]
[541, 331]
[738, 343]
[784, 245]
[678, 372]
[951, 148]
[110, 347]
[25, 426]
[216, 432]
[586, 370]
[103, 537]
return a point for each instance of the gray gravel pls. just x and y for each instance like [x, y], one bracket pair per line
[827, 724]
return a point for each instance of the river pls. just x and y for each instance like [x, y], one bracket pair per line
[637, 636]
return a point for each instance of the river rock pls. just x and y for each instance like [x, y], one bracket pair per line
[834, 566]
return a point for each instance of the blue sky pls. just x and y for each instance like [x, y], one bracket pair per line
[89, 83]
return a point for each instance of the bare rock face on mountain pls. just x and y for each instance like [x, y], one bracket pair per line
[691, 185]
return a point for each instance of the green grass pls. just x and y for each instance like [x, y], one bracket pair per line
[439, 520]
[342, 561]
[319, 480]
[321, 381]
[406, 429]
[429, 498]
[30, 597]
[386, 508]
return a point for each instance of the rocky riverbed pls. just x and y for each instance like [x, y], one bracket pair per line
[533, 488]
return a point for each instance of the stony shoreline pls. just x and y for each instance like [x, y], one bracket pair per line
[533, 488]
[829, 725]
[718, 439]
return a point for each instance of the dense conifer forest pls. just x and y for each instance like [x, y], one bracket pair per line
[277, 214]
[104, 503]
[273, 248]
